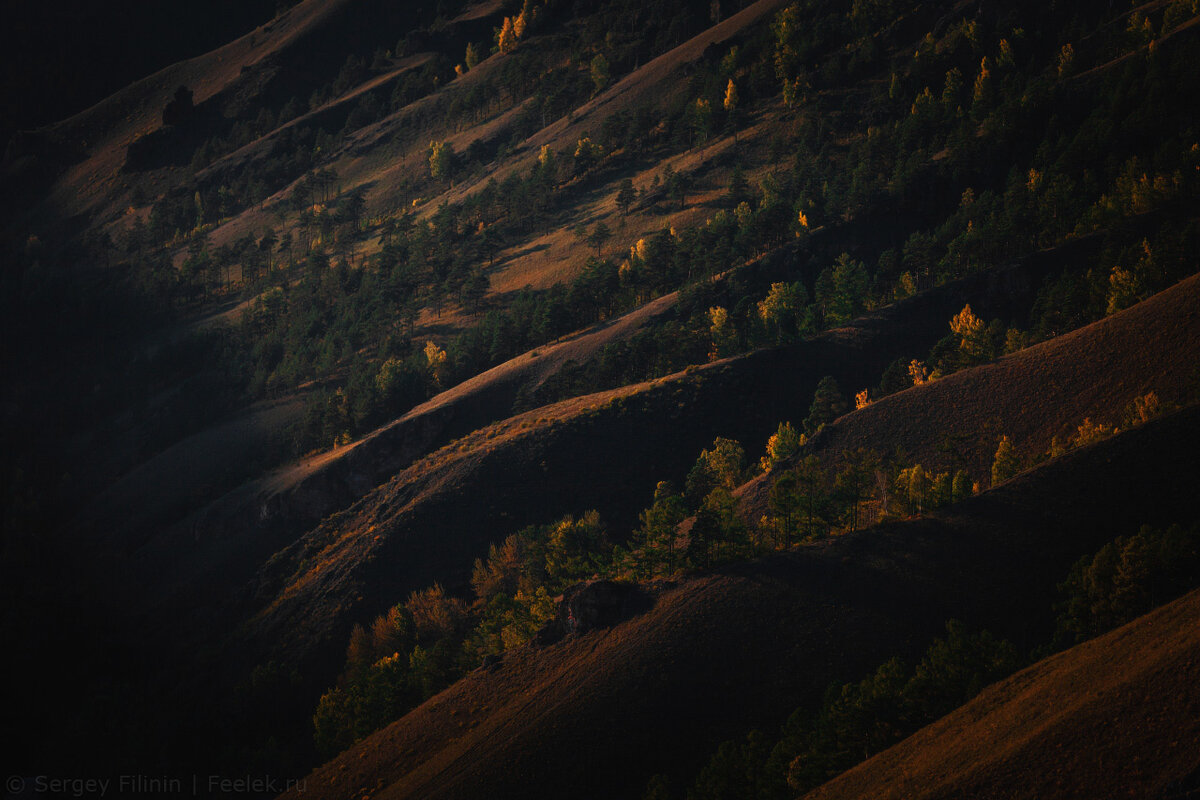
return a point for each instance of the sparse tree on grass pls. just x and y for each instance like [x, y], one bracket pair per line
[599, 235]
[731, 107]
[436, 359]
[441, 161]
[626, 195]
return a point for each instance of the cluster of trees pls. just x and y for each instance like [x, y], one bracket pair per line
[432, 263]
[1126, 578]
[809, 500]
[1008, 461]
[420, 646]
[855, 721]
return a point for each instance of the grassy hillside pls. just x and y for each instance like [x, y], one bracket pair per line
[767, 636]
[320, 347]
[1047, 730]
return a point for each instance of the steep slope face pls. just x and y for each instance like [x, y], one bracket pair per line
[1118, 716]
[1031, 396]
[383, 156]
[94, 142]
[594, 716]
[300, 494]
[603, 451]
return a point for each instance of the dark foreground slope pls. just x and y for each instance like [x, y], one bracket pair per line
[595, 716]
[1118, 716]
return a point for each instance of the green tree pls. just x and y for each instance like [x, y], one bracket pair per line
[575, 550]
[812, 496]
[678, 185]
[472, 56]
[782, 311]
[974, 343]
[1006, 464]
[827, 405]
[723, 465]
[842, 290]
[1126, 578]
[659, 529]
[723, 334]
[788, 28]
[783, 501]
[961, 487]
[506, 37]
[852, 485]
[598, 236]
[626, 195]
[731, 106]
[599, 72]
[442, 161]
[782, 445]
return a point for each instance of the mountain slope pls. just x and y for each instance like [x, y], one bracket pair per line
[1031, 396]
[603, 451]
[769, 635]
[1118, 716]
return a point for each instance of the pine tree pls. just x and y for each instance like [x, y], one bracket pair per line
[626, 195]
[600, 73]
[975, 345]
[436, 359]
[598, 236]
[724, 335]
[441, 161]
[827, 405]
[506, 37]
[731, 105]
[783, 444]
[781, 310]
[1006, 464]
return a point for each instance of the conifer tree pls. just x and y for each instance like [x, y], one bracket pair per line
[724, 335]
[783, 444]
[598, 236]
[975, 346]
[436, 359]
[600, 73]
[827, 405]
[626, 194]
[731, 104]
[506, 37]
[1006, 464]
[781, 310]
[441, 161]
